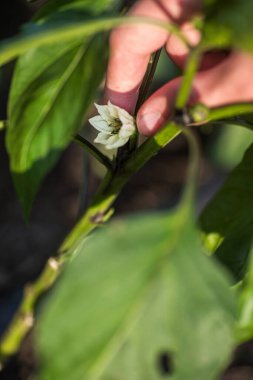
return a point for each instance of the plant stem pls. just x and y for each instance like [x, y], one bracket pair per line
[131, 146]
[200, 114]
[99, 210]
[147, 81]
[24, 318]
[104, 160]
[193, 169]
[144, 92]
[229, 111]
[189, 73]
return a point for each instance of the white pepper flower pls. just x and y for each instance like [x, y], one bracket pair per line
[115, 125]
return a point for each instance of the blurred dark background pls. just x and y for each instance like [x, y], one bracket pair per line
[24, 248]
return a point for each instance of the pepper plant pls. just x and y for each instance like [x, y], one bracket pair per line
[160, 295]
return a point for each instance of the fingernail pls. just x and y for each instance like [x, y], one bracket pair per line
[149, 122]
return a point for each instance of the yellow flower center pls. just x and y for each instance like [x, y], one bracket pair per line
[116, 124]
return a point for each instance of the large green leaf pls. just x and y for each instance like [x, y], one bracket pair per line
[229, 22]
[51, 90]
[140, 291]
[229, 217]
[245, 320]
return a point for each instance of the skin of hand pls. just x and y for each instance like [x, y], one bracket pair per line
[223, 78]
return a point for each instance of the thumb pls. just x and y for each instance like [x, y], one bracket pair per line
[226, 83]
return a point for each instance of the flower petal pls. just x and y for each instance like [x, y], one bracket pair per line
[125, 116]
[127, 119]
[105, 123]
[126, 130]
[120, 113]
[102, 138]
[100, 124]
[103, 111]
[112, 139]
[117, 144]
[114, 110]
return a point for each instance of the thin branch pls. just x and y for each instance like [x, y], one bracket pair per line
[100, 207]
[189, 73]
[193, 169]
[229, 111]
[104, 160]
[200, 114]
[126, 151]
[147, 81]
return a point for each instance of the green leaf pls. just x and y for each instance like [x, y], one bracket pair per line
[229, 22]
[236, 140]
[245, 320]
[51, 91]
[72, 26]
[229, 217]
[139, 290]
[94, 7]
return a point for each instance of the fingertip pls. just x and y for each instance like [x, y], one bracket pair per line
[149, 122]
[156, 110]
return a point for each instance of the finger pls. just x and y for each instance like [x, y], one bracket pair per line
[158, 108]
[226, 83]
[175, 47]
[178, 51]
[131, 46]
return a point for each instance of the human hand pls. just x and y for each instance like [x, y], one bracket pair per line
[223, 78]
